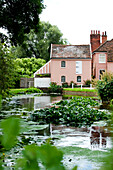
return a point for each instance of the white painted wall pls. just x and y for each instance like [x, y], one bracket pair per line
[42, 82]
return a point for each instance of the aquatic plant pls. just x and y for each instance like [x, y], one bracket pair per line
[75, 112]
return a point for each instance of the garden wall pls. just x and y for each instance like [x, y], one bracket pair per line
[42, 82]
[80, 93]
[26, 82]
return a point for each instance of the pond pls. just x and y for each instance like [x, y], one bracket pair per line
[85, 147]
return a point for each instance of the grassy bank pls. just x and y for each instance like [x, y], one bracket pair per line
[79, 89]
[13, 92]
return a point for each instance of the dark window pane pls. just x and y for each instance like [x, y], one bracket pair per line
[63, 79]
[62, 63]
[78, 78]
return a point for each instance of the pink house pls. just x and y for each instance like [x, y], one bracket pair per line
[77, 63]
[102, 54]
[67, 63]
[70, 63]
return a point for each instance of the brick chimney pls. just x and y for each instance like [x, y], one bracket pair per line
[104, 37]
[94, 39]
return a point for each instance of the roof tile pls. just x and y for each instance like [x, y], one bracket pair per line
[70, 51]
[107, 47]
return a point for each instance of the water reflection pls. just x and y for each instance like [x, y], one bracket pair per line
[31, 102]
[99, 136]
[96, 137]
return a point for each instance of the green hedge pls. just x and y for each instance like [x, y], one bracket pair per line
[24, 91]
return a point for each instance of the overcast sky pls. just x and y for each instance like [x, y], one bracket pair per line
[76, 18]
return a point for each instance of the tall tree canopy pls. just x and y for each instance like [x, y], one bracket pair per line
[7, 69]
[19, 17]
[38, 44]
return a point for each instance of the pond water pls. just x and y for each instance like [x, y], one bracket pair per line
[81, 146]
[32, 102]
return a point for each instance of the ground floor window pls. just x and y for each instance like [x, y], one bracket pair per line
[101, 73]
[63, 79]
[78, 78]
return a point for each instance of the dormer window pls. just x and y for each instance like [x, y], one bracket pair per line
[63, 64]
[102, 58]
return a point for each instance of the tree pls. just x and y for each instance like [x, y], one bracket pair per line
[19, 17]
[25, 67]
[7, 69]
[38, 44]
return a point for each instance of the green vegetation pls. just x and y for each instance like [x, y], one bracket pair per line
[43, 75]
[74, 112]
[105, 87]
[13, 92]
[0, 100]
[54, 88]
[18, 22]
[38, 44]
[32, 155]
[79, 89]
[7, 69]
[78, 152]
[26, 67]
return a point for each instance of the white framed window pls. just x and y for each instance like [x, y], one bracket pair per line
[78, 67]
[102, 58]
[63, 64]
[63, 79]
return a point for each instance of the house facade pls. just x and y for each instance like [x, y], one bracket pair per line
[77, 63]
[70, 63]
[102, 54]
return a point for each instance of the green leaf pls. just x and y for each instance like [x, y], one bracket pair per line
[10, 128]
[75, 168]
[51, 157]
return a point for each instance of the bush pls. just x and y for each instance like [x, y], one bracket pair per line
[105, 87]
[65, 84]
[87, 82]
[54, 88]
[24, 91]
[74, 84]
[43, 75]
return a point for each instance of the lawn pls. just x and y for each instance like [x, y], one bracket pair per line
[79, 89]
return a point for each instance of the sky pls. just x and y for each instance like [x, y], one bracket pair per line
[76, 18]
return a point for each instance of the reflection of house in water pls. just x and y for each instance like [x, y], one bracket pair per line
[99, 136]
[43, 101]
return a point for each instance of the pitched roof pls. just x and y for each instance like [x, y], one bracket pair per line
[106, 47]
[70, 51]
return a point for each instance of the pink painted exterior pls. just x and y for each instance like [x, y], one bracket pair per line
[70, 70]
[98, 66]
[110, 66]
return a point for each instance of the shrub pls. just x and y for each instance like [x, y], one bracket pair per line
[54, 88]
[43, 75]
[24, 91]
[74, 84]
[87, 82]
[65, 84]
[105, 87]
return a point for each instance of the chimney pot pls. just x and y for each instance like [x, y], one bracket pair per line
[104, 37]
